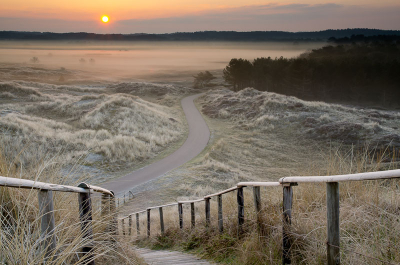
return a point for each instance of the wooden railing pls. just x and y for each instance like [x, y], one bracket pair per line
[123, 198]
[46, 211]
[287, 183]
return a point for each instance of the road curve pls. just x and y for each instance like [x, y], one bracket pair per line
[197, 140]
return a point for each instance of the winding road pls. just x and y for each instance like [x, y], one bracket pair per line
[197, 140]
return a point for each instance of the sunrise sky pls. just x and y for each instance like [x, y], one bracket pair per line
[160, 16]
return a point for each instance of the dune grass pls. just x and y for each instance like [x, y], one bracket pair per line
[21, 240]
[368, 221]
[111, 131]
[260, 152]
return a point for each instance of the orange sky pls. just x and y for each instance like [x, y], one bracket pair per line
[128, 9]
[128, 16]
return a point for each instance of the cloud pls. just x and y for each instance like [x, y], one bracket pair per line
[293, 17]
[289, 17]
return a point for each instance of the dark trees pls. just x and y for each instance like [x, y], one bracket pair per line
[203, 79]
[357, 73]
[238, 73]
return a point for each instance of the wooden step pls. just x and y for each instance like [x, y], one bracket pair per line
[166, 257]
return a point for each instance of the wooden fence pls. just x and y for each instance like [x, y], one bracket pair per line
[123, 198]
[46, 211]
[286, 183]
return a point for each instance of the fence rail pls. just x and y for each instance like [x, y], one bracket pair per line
[287, 184]
[46, 211]
[340, 178]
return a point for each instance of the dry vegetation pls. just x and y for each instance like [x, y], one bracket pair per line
[107, 127]
[263, 111]
[264, 136]
[67, 132]
[21, 240]
[61, 132]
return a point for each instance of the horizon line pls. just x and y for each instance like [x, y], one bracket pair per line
[202, 31]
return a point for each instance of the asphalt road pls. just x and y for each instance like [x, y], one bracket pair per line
[197, 140]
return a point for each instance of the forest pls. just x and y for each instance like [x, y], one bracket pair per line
[362, 72]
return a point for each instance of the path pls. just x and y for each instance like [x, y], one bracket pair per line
[165, 257]
[197, 140]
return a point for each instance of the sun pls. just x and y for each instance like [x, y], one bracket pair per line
[104, 19]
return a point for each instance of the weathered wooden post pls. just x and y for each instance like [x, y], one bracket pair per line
[332, 206]
[124, 197]
[180, 212]
[208, 209]
[114, 219]
[192, 215]
[85, 210]
[105, 211]
[105, 205]
[287, 220]
[130, 224]
[148, 222]
[137, 224]
[160, 210]
[257, 206]
[123, 226]
[240, 201]
[220, 218]
[47, 225]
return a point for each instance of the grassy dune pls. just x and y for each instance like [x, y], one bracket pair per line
[108, 128]
[67, 133]
[262, 111]
[264, 136]
[71, 131]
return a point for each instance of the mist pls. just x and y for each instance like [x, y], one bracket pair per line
[150, 61]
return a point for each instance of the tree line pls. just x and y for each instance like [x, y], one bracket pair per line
[366, 72]
[199, 35]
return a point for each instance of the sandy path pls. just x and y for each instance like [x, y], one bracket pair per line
[197, 140]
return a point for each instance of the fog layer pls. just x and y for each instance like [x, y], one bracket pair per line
[147, 60]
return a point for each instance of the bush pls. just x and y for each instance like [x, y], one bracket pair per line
[203, 79]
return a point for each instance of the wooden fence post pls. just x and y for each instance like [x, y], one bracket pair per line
[160, 210]
[114, 218]
[257, 206]
[105, 211]
[105, 205]
[180, 212]
[148, 222]
[208, 209]
[192, 215]
[137, 224]
[240, 201]
[85, 210]
[220, 218]
[123, 226]
[130, 224]
[287, 220]
[47, 225]
[332, 206]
